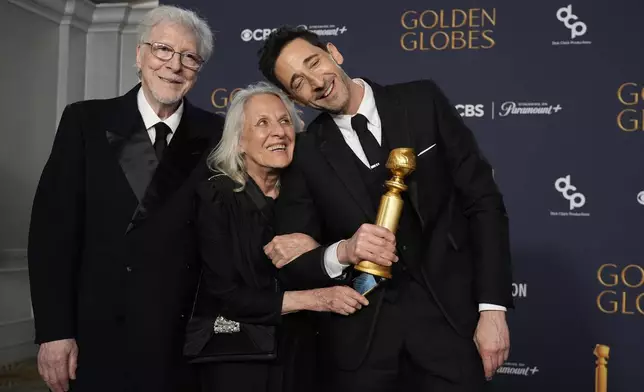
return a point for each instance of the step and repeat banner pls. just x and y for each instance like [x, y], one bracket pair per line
[554, 92]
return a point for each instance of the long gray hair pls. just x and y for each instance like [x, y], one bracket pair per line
[225, 158]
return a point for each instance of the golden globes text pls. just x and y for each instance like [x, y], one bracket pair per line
[631, 117]
[622, 292]
[452, 29]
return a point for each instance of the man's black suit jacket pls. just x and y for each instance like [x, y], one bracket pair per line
[112, 245]
[465, 253]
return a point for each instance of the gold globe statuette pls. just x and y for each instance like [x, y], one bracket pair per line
[601, 371]
[401, 163]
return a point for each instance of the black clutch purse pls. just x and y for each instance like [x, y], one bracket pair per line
[218, 339]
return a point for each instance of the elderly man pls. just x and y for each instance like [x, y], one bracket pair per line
[112, 247]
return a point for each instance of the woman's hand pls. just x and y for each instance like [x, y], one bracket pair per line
[338, 299]
[285, 248]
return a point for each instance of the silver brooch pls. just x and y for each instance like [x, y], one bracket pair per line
[223, 325]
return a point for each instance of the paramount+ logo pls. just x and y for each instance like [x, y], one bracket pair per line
[451, 29]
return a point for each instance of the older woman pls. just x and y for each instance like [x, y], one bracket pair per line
[247, 332]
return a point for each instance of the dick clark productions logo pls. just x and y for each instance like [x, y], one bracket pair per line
[576, 199]
[578, 28]
[571, 22]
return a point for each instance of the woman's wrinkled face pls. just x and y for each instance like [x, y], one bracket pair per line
[267, 140]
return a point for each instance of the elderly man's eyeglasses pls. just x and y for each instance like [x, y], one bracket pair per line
[164, 52]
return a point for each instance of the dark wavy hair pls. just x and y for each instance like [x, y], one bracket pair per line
[274, 44]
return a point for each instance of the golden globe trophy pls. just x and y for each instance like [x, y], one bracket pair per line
[401, 163]
[601, 372]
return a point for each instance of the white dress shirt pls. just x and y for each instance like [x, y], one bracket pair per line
[367, 108]
[150, 118]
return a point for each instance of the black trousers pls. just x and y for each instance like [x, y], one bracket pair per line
[413, 349]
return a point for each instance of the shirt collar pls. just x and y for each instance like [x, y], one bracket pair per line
[367, 108]
[150, 118]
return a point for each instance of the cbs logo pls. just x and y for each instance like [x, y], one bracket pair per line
[469, 110]
[255, 35]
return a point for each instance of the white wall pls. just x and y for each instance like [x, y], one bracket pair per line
[29, 79]
[55, 52]
[111, 49]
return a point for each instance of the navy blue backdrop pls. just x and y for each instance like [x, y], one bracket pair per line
[554, 93]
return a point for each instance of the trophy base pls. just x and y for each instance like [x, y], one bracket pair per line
[374, 269]
[366, 283]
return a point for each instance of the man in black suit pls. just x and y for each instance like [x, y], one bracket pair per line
[439, 323]
[112, 245]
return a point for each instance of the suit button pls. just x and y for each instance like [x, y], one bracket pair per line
[183, 316]
[187, 266]
[404, 247]
[128, 268]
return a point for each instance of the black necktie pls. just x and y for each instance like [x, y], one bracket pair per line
[370, 145]
[161, 141]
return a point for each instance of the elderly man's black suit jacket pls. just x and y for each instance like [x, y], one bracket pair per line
[112, 245]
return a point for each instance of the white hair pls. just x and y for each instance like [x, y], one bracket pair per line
[183, 17]
[225, 158]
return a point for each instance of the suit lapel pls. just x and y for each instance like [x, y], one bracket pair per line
[131, 145]
[341, 158]
[395, 129]
[185, 150]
